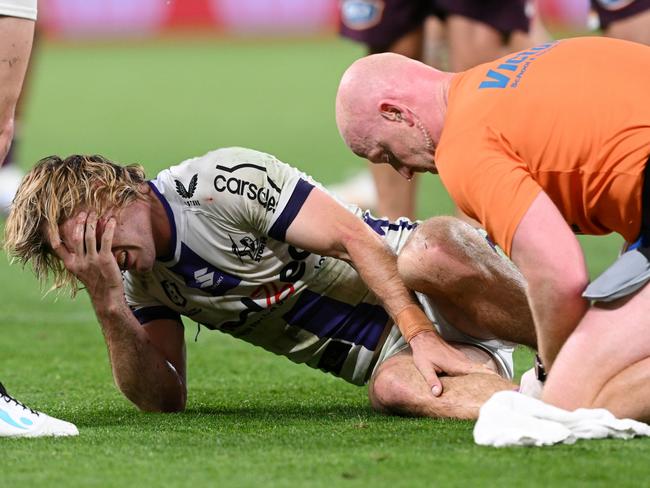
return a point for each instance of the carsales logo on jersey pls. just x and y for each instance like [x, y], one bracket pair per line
[235, 186]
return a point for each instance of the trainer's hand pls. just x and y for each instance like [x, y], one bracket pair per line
[432, 356]
[96, 268]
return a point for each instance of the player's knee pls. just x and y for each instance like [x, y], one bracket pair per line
[433, 251]
[389, 393]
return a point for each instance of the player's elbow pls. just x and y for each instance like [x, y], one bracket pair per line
[575, 285]
[161, 400]
[354, 239]
[166, 404]
[566, 283]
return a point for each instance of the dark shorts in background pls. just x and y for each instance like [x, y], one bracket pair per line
[612, 10]
[379, 23]
[505, 16]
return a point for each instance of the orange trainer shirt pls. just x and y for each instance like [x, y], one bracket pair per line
[569, 117]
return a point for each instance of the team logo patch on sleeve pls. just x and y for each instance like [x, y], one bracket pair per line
[361, 14]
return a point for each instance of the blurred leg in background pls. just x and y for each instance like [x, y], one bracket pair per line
[624, 19]
[10, 172]
[17, 21]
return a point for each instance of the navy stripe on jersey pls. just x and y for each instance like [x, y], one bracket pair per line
[362, 324]
[200, 274]
[300, 193]
[172, 221]
[333, 357]
[380, 226]
[147, 314]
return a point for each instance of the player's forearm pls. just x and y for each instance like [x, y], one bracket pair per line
[377, 265]
[141, 372]
[325, 227]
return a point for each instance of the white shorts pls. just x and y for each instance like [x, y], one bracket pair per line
[25, 9]
[500, 351]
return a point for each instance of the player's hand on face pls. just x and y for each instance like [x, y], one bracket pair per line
[91, 262]
[433, 356]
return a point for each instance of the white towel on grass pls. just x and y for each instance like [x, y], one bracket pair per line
[512, 419]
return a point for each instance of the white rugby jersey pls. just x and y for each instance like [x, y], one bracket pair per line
[232, 271]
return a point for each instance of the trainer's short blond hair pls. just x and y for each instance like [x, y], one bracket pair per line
[52, 192]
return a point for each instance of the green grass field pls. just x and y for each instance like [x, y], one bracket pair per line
[253, 419]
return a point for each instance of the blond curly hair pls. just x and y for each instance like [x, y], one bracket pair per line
[52, 192]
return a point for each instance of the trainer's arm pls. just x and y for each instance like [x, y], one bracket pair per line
[325, 227]
[148, 361]
[16, 36]
[550, 258]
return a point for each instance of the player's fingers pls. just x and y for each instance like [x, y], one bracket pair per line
[90, 236]
[107, 236]
[431, 377]
[484, 368]
[52, 236]
[436, 385]
[77, 244]
[54, 240]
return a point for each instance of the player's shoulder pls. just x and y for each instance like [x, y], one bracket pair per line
[234, 157]
[228, 159]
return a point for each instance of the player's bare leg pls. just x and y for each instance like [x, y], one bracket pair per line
[471, 43]
[537, 34]
[606, 361]
[635, 28]
[613, 396]
[435, 50]
[474, 288]
[395, 196]
[398, 388]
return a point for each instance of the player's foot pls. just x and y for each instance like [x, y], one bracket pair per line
[359, 190]
[18, 420]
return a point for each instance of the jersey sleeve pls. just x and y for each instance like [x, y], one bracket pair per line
[255, 191]
[145, 308]
[492, 185]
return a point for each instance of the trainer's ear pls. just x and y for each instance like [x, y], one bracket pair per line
[395, 112]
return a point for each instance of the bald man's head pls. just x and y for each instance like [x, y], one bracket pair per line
[367, 81]
[385, 99]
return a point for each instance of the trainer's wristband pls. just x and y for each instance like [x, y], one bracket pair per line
[412, 321]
